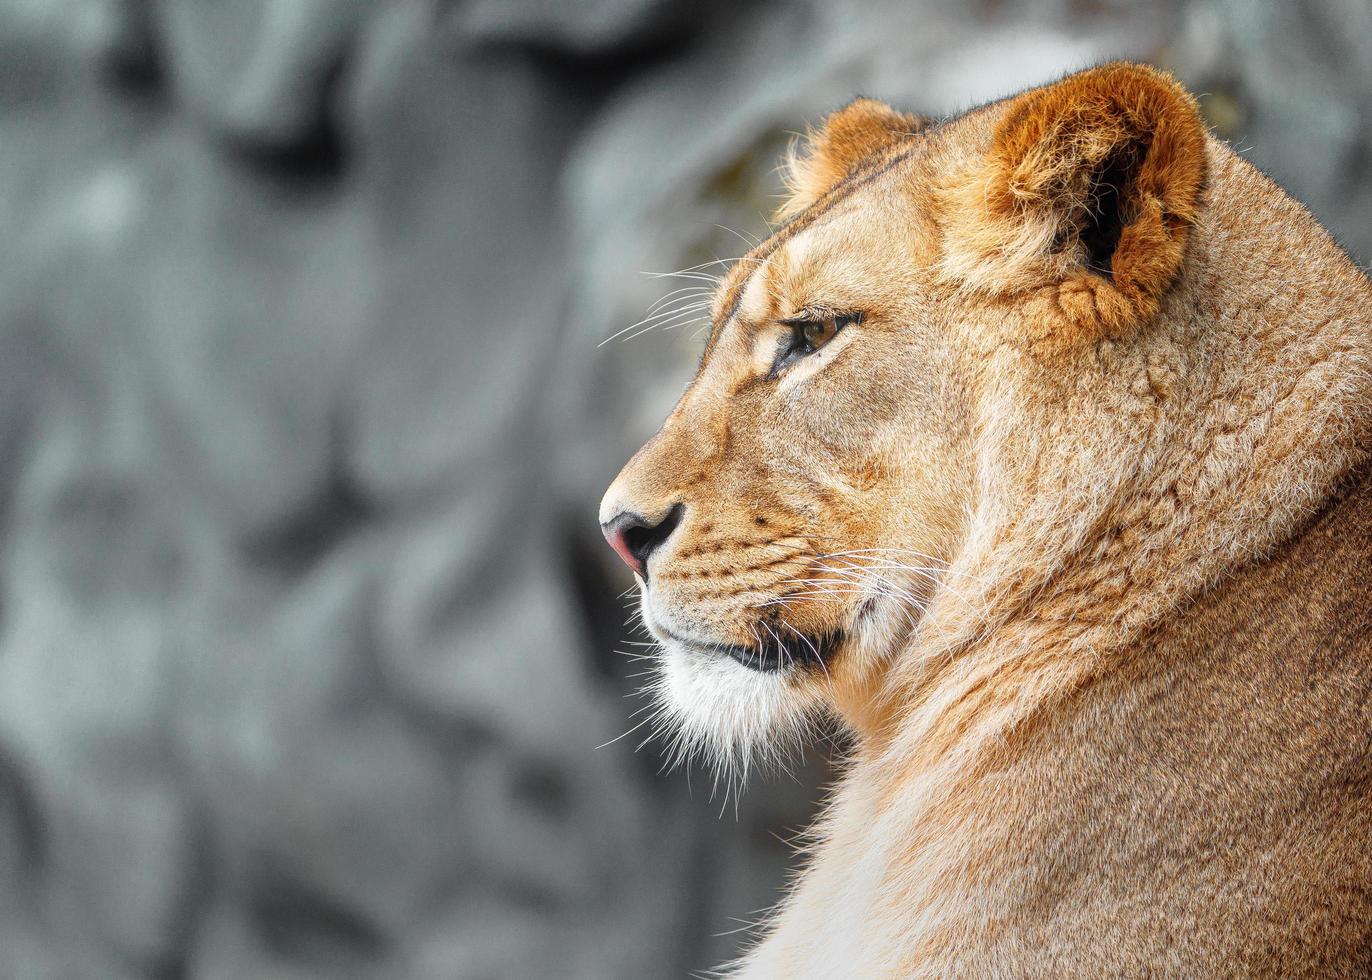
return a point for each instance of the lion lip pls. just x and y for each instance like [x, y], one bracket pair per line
[798, 651]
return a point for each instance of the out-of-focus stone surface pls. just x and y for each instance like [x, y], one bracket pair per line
[306, 634]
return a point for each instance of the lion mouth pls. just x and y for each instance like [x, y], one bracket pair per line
[784, 647]
[777, 653]
[791, 652]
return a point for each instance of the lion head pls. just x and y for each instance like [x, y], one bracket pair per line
[929, 391]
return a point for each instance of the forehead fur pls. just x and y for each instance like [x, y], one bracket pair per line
[768, 284]
[874, 181]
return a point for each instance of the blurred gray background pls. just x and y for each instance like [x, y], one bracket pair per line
[307, 635]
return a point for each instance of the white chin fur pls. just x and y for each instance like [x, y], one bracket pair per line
[725, 712]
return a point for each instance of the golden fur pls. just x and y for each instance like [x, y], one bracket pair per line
[1080, 497]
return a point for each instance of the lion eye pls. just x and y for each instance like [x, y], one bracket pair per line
[809, 335]
[816, 333]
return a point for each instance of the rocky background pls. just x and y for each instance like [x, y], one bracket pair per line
[307, 637]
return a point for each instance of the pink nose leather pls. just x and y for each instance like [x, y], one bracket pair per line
[618, 537]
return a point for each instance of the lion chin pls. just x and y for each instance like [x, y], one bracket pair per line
[728, 714]
[729, 705]
[733, 707]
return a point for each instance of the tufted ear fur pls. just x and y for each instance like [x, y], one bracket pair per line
[1086, 198]
[827, 155]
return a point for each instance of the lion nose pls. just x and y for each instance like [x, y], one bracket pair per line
[635, 537]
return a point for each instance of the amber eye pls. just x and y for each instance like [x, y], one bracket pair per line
[808, 336]
[816, 333]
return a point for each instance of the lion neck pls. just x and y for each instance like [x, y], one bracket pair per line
[1204, 446]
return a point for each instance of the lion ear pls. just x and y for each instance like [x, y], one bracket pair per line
[1088, 191]
[828, 154]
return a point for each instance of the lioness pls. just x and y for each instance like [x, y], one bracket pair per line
[1034, 446]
